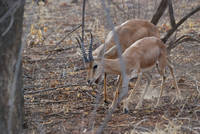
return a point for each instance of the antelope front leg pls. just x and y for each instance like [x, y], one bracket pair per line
[127, 101]
[161, 90]
[178, 92]
[115, 99]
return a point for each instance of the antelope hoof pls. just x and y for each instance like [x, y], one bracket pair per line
[106, 101]
[125, 110]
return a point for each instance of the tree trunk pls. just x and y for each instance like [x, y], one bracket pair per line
[159, 12]
[10, 45]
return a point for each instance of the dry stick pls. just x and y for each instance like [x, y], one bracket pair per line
[171, 14]
[137, 124]
[60, 112]
[183, 38]
[83, 20]
[171, 31]
[63, 49]
[162, 7]
[122, 66]
[181, 110]
[50, 89]
[73, 30]
[190, 129]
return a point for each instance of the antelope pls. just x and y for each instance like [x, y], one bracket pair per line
[128, 32]
[141, 57]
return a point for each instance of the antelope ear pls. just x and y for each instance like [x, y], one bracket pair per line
[111, 52]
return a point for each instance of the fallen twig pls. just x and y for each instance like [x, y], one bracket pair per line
[73, 30]
[190, 129]
[50, 89]
[60, 112]
[90, 95]
[137, 125]
[65, 37]
[62, 49]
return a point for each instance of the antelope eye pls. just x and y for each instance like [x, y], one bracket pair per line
[95, 67]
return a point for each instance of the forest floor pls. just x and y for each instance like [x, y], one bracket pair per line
[58, 99]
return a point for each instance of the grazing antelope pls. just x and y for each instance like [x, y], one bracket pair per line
[141, 57]
[128, 32]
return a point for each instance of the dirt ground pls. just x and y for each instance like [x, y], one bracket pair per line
[57, 97]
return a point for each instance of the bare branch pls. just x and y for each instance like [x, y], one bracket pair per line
[83, 20]
[50, 89]
[171, 31]
[159, 12]
[183, 38]
[171, 13]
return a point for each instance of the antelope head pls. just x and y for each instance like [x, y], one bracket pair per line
[92, 64]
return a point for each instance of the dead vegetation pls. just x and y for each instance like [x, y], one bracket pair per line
[57, 98]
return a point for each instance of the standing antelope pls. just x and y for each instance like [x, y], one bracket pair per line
[128, 32]
[141, 57]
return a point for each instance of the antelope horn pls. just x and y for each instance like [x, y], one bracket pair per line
[80, 43]
[90, 48]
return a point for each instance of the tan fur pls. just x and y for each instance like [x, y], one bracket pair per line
[141, 56]
[128, 32]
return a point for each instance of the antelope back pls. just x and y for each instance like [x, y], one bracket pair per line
[128, 32]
